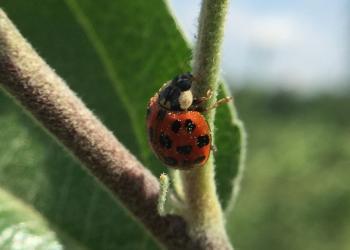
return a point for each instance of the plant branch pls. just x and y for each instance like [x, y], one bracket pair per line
[204, 211]
[31, 82]
[206, 58]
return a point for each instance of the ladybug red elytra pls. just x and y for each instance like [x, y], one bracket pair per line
[177, 131]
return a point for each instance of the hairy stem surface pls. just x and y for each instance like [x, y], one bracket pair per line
[204, 210]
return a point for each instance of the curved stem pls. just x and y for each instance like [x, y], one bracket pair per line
[205, 213]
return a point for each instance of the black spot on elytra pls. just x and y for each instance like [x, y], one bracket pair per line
[185, 150]
[170, 161]
[199, 159]
[161, 114]
[190, 126]
[175, 126]
[165, 141]
[186, 162]
[150, 134]
[202, 141]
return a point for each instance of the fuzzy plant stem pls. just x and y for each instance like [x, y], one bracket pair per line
[204, 211]
[34, 85]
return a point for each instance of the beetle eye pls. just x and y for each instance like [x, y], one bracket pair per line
[187, 75]
[183, 84]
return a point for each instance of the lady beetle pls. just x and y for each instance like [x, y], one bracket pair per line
[177, 131]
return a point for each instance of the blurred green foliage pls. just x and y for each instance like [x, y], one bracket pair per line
[296, 193]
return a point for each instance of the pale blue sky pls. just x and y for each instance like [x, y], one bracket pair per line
[300, 43]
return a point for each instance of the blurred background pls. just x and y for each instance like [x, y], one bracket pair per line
[287, 63]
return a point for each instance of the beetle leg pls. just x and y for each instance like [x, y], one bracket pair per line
[198, 101]
[218, 103]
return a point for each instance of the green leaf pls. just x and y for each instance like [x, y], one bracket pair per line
[115, 55]
[230, 146]
[23, 228]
